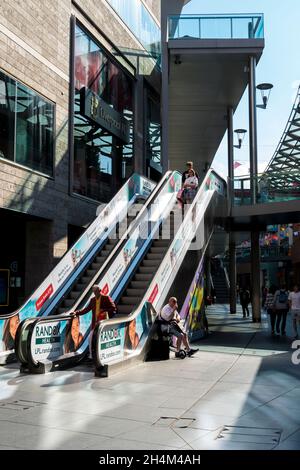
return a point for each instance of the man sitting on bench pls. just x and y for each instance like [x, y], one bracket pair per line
[170, 317]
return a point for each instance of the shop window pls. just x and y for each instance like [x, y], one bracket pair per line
[26, 126]
[102, 161]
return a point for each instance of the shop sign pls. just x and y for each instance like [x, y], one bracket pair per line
[96, 109]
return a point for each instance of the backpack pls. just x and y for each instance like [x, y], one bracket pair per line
[283, 297]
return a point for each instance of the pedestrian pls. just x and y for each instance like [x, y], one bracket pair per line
[294, 304]
[244, 301]
[102, 307]
[281, 305]
[169, 319]
[190, 187]
[269, 307]
[185, 174]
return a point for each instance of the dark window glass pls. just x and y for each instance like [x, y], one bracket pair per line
[153, 141]
[34, 131]
[102, 162]
[26, 126]
[7, 116]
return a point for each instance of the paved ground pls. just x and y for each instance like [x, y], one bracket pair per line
[241, 391]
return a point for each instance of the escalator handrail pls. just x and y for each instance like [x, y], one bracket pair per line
[136, 311]
[61, 261]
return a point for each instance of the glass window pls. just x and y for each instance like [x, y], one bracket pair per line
[138, 19]
[102, 162]
[153, 141]
[26, 126]
[7, 116]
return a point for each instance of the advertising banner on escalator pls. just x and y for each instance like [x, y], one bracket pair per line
[108, 215]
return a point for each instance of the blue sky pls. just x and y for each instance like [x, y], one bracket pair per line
[280, 65]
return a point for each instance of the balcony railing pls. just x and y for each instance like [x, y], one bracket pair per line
[270, 187]
[244, 26]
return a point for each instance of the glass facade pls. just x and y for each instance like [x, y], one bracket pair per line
[138, 19]
[153, 130]
[102, 162]
[26, 126]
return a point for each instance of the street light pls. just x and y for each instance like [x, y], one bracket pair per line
[265, 89]
[241, 135]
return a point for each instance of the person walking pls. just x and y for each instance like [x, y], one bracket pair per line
[269, 307]
[102, 307]
[281, 306]
[185, 174]
[294, 304]
[244, 301]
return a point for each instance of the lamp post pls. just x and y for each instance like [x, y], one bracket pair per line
[265, 89]
[240, 135]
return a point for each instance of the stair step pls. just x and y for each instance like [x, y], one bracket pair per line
[157, 250]
[160, 243]
[68, 303]
[86, 279]
[150, 262]
[146, 270]
[96, 266]
[80, 287]
[75, 294]
[62, 310]
[100, 259]
[135, 292]
[143, 277]
[154, 256]
[105, 253]
[138, 285]
[125, 309]
[129, 300]
[91, 272]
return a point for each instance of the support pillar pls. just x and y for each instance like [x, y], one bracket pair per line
[255, 277]
[232, 273]
[230, 152]
[253, 129]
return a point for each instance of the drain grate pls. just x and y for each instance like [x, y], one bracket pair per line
[174, 422]
[250, 434]
[19, 405]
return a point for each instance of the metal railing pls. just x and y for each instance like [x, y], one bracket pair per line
[269, 187]
[234, 26]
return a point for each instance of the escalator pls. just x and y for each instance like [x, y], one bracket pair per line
[65, 283]
[169, 266]
[40, 342]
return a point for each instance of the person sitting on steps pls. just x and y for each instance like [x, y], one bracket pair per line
[170, 317]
